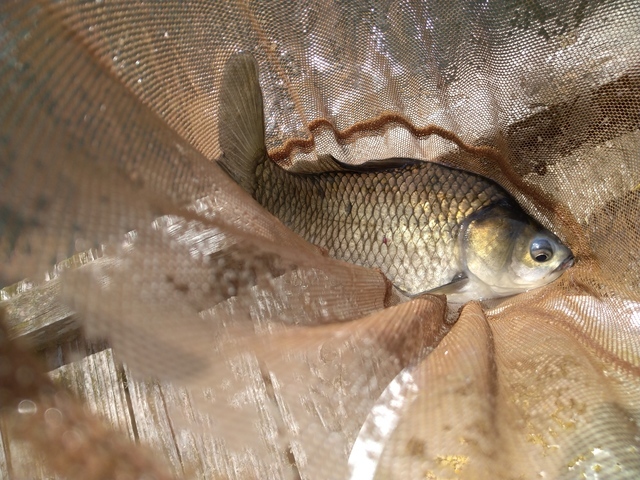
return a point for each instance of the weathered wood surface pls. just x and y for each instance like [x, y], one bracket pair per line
[87, 369]
[35, 312]
[4, 468]
[38, 316]
[161, 416]
[98, 381]
[153, 426]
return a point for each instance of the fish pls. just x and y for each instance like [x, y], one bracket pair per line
[428, 227]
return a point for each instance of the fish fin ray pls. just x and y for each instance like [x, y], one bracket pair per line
[456, 285]
[241, 121]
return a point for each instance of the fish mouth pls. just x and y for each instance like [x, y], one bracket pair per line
[566, 263]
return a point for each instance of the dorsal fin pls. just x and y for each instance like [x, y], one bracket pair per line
[241, 120]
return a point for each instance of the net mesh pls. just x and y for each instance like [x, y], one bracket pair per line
[196, 337]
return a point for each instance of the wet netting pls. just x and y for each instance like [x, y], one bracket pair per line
[158, 323]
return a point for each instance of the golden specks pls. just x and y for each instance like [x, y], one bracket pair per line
[576, 461]
[454, 462]
[568, 413]
[537, 439]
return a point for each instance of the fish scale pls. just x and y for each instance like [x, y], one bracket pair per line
[403, 221]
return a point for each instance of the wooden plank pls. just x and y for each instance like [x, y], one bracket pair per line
[97, 381]
[4, 466]
[216, 435]
[35, 312]
[37, 315]
[151, 420]
[25, 463]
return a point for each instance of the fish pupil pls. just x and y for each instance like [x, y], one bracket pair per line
[541, 251]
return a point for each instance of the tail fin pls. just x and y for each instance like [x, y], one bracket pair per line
[241, 121]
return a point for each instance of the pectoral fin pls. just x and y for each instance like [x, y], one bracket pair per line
[241, 121]
[457, 285]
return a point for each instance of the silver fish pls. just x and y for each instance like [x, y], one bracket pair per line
[427, 227]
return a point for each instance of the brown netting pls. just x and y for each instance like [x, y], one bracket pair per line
[234, 349]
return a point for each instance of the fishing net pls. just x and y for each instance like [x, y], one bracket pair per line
[158, 323]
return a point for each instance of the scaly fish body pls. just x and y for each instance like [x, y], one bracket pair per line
[404, 221]
[426, 226]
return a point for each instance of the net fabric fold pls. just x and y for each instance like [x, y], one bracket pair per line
[285, 358]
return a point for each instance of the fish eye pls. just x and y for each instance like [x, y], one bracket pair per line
[541, 250]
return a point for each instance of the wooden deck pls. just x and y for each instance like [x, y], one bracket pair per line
[150, 413]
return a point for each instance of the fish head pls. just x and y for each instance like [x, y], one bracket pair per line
[507, 252]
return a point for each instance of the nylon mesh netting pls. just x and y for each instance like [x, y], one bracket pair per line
[189, 334]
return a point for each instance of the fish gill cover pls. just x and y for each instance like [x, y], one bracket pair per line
[235, 349]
